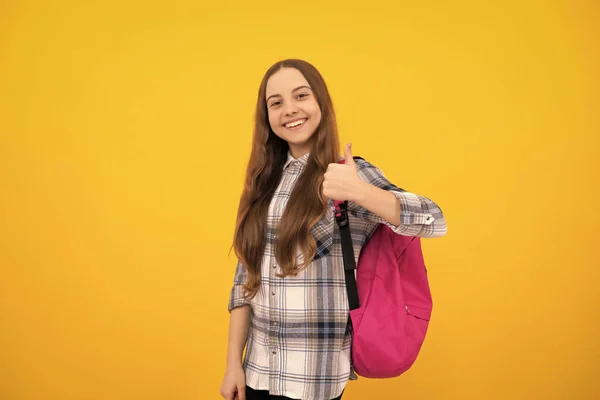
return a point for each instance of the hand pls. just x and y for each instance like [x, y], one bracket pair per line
[341, 181]
[234, 384]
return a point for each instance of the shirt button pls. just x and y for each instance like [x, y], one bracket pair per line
[273, 293]
[274, 352]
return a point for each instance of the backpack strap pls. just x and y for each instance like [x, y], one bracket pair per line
[343, 222]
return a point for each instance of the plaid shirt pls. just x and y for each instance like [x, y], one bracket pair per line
[299, 339]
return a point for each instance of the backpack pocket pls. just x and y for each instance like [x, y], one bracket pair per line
[418, 312]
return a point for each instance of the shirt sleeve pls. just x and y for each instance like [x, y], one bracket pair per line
[419, 216]
[236, 298]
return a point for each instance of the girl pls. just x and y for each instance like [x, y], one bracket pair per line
[288, 303]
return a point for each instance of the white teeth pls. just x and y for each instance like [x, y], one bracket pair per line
[295, 123]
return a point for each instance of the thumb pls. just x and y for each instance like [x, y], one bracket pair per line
[348, 160]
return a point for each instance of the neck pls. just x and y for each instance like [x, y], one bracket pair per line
[298, 152]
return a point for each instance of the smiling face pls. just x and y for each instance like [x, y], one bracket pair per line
[294, 114]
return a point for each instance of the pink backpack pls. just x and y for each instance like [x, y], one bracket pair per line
[390, 301]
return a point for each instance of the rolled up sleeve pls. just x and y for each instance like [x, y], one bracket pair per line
[420, 216]
[236, 297]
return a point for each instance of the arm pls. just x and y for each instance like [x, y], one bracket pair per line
[239, 322]
[234, 381]
[376, 200]
[380, 202]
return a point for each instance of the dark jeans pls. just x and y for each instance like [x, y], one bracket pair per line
[252, 394]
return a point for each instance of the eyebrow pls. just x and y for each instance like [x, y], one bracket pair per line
[298, 88]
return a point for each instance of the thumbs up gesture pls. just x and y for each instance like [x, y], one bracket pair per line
[341, 181]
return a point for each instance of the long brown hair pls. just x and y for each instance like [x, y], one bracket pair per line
[306, 205]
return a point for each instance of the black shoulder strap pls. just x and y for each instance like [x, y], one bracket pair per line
[341, 217]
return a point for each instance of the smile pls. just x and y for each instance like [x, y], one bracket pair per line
[296, 123]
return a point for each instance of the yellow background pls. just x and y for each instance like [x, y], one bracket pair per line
[125, 130]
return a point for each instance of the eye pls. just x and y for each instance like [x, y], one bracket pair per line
[302, 95]
[275, 103]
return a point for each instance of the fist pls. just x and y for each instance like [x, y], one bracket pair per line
[341, 181]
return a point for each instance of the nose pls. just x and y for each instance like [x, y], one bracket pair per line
[291, 110]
